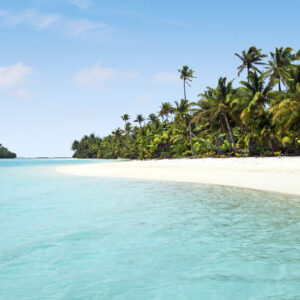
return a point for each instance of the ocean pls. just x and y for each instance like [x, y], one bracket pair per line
[69, 237]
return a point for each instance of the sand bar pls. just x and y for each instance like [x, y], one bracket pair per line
[274, 174]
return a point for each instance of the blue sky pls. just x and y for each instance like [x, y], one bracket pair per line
[73, 67]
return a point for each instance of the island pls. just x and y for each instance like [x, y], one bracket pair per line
[260, 116]
[5, 153]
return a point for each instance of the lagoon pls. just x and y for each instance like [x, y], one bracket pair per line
[69, 237]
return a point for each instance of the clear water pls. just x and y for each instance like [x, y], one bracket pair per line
[65, 237]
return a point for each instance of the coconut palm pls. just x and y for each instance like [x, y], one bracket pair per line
[216, 104]
[128, 128]
[183, 118]
[165, 110]
[187, 75]
[286, 112]
[117, 133]
[169, 109]
[125, 118]
[139, 119]
[256, 96]
[255, 99]
[253, 117]
[249, 59]
[279, 65]
[153, 118]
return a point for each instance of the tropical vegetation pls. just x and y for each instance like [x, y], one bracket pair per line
[5, 153]
[261, 116]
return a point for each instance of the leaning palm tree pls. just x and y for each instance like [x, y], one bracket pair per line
[139, 119]
[187, 75]
[249, 59]
[281, 61]
[125, 118]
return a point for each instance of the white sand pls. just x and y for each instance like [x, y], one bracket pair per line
[275, 174]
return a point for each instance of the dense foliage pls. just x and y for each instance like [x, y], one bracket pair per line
[260, 117]
[4, 153]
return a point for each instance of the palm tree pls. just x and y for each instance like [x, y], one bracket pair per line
[255, 98]
[128, 128]
[280, 63]
[253, 118]
[250, 59]
[169, 109]
[125, 118]
[139, 119]
[117, 133]
[183, 117]
[162, 112]
[286, 112]
[152, 118]
[187, 75]
[217, 106]
[166, 109]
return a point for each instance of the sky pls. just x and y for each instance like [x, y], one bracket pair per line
[73, 67]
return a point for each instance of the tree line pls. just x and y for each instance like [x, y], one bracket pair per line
[5, 153]
[261, 117]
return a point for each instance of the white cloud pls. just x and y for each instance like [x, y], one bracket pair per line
[96, 75]
[138, 16]
[166, 77]
[27, 17]
[23, 93]
[82, 4]
[72, 28]
[83, 28]
[12, 76]
[45, 21]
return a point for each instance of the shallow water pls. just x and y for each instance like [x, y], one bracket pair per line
[65, 237]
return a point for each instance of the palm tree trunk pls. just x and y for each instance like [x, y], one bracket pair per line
[191, 140]
[219, 147]
[295, 149]
[184, 89]
[229, 142]
[227, 137]
[248, 70]
[230, 133]
[279, 86]
[251, 146]
[270, 144]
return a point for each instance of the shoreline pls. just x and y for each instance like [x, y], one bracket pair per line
[272, 174]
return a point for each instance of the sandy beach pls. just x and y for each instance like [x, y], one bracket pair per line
[274, 174]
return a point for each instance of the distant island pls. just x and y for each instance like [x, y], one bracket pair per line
[260, 117]
[5, 153]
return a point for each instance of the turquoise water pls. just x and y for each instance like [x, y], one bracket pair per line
[65, 237]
